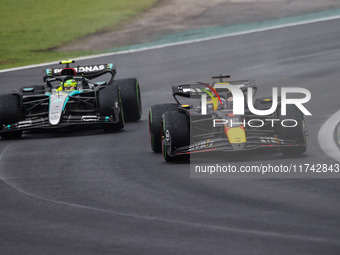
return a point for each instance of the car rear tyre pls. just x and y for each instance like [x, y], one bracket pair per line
[297, 133]
[175, 134]
[131, 98]
[9, 114]
[107, 99]
[155, 121]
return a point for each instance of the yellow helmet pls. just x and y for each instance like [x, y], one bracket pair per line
[70, 84]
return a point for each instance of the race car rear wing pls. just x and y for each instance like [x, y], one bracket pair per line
[197, 89]
[188, 90]
[89, 71]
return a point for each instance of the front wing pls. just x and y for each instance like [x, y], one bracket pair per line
[223, 144]
[43, 123]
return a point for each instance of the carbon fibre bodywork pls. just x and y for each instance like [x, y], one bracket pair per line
[54, 108]
[220, 130]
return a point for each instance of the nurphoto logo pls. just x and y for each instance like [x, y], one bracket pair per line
[238, 100]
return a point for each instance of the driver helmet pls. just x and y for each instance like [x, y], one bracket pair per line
[70, 85]
[230, 101]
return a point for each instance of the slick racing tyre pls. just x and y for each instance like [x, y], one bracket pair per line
[132, 104]
[297, 133]
[155, 121]
[32, 90]
[175, 134]
[9, 114]
[107, 98]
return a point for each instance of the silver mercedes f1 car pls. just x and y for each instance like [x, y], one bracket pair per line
[71, 96]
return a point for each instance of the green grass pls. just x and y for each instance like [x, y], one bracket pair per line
[27, 27]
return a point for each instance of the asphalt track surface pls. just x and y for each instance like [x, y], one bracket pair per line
[89, 192]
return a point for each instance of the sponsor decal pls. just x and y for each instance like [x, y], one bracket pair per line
[271, 140]
[83, 69]
[200, 145]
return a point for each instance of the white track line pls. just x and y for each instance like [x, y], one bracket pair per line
[199, 225]
[326, 137]
[182, 42]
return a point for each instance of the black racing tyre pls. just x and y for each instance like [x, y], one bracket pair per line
[175, 133]
[155, 121]
[131, 98]
[9, 114]
[32, 90]
[108, 96]
[297, 133]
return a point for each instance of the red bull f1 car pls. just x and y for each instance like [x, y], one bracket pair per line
[71, 96]
[180, 129]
